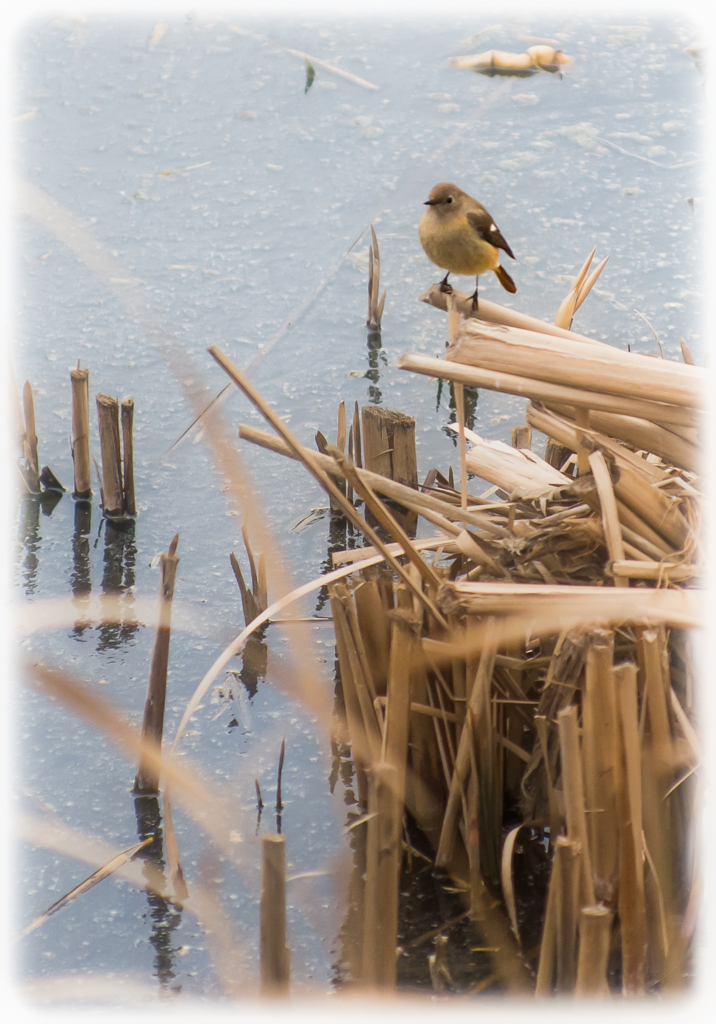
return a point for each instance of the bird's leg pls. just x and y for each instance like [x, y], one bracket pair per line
[444, 286]
[474, 296]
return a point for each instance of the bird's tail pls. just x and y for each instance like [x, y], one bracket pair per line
[505, 280]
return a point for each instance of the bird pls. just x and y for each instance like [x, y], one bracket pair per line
[460, 236]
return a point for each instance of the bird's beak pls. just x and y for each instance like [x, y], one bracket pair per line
[429, 202]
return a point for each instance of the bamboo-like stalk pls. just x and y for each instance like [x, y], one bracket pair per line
[108, 419]
[130, 504]
[80, 433]
[362, 723]
[548, 943]
[582, 420]
[594, 931]
[30, 442]
[357, 441]
[494, 313]
[382, 877]
[564, 361]
[669, 444]
[632, 911]
[573, 789]
[610, 516]
[147, 778]
[600, 757]
[666, 571]
[460, 407]
[668, 416]
[567, 855]
[275, 953]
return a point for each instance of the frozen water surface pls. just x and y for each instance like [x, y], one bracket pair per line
[271, 187]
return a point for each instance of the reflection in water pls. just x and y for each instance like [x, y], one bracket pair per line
[376, 355]
[163, 915]
[471, 397]
[340, 537]
[254, 658]
[29, 541]
[80, 577]
[120, 555]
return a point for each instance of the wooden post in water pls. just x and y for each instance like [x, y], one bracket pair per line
[522, 436]
[389, 444]
[275, 954]
[108, 419]
[382, 878]
[130, 504]
[80, 433]
[147, 779]
[32, 474]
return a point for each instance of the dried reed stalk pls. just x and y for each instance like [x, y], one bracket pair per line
[421, 503]
[478, 705]
[610, 516]
[375, 305]
[404, 647]
[597, 367]
[601, 764]
[389, 444]
[374, 625]
[30, 441]
[632, 911]
[147, 778]
[666, 572]
[108, 419]
[548, 943]
[310, 462]
[275, 954]
[642, 434]
[553, 395]
[494, 313]
[567, 855]
[130, 504]
[594, 932]
[382, 877]
[632, 485]
[80, 433]
[573, 789]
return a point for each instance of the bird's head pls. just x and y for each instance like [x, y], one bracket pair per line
[445, 198]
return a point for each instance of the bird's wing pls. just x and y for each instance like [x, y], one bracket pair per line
[486, 228]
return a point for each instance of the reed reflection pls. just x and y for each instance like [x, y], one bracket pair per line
[165, 917]
[471, 397]
[376, 356]
[118, 578]
[80, 577]
[29, 543]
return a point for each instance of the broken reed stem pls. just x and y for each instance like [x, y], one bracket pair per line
[275, 954]
[594, 932]
[30, 442]
[573, 788]
[384, 850]
[567, 856]
[601, 773]
[548, 944]
[460, 407]
[279, 805]
[130, 504]
[80, 433]
[357, 442]
[581, 415]
[108, 419]
[147, 778]
[632, 908]
[610, 515]
[404, 648]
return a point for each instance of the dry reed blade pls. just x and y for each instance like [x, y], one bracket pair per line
[569, 304]
[567, 855]
[590, 282]
[107, 869]
[384, 851]
[279, 803]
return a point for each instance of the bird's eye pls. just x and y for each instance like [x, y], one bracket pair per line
[449, 199]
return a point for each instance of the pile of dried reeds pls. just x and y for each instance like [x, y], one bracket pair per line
[538, 662]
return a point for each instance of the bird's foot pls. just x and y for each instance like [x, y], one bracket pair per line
[474, 302]
[445, 288]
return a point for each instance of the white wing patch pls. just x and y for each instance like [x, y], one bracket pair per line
[493, 227]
